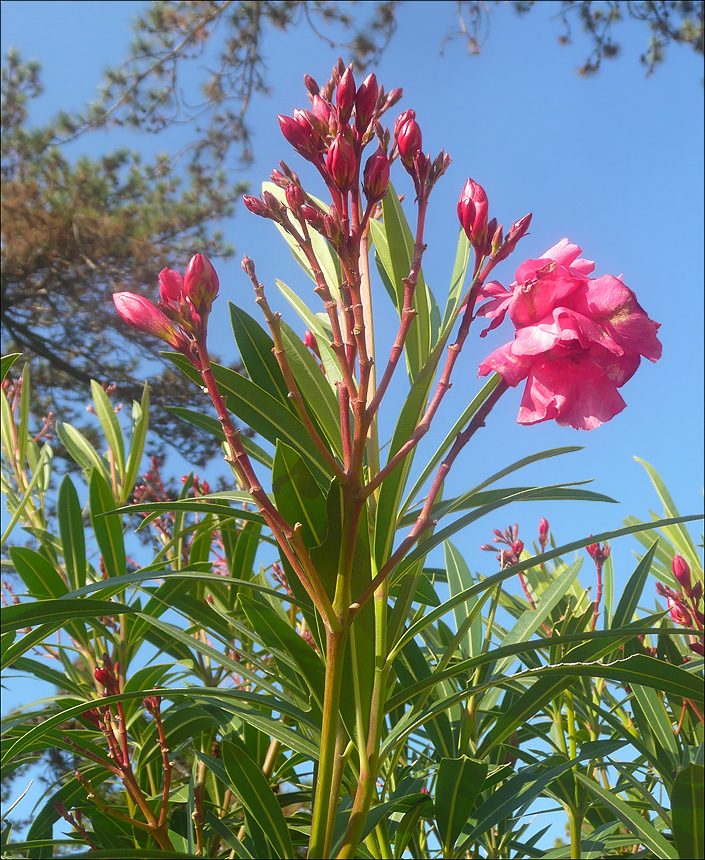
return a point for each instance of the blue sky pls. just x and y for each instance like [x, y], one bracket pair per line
[613, 162]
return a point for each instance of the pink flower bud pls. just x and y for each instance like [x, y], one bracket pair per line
[517, 548]
[142, 315]
[294, 197]
[518, 231]
[201, 283]
[543, 528]
[106, 678]
[312, 215]
[311, 85]
[171, 286]
[681, 571]
[345, 95]
[366, 103]
[322, 110]
[278, 178]
[679, 614]
[697, 591]
[598, 553]
[472, 212]
[409, 142]
[255, 205]
[300, 133]
[341, 163]
[376, 175]
[311, 343]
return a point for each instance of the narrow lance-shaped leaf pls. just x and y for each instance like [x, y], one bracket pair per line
[73, 542]
[687, 811]
[111, 427]
[458, 785]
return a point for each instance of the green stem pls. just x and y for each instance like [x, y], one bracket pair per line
[335, 653]
[370, 762]
[576, 826]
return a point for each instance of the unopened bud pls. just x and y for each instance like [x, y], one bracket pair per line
[248, 266]
[294, 197]
[171, 286]
[256, 206]
[543, 528]
[366, 103]
[278, 178]
[142, 315]
[517, 548]
[376, 176]
[311, 342]
[312, 215]
[201, 283]
[472, 212]
[311, 85]
[345, 95]
[409, 140]
[681, 571]
[341, 163]
[518, 230]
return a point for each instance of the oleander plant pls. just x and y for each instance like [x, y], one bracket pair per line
[276, 669]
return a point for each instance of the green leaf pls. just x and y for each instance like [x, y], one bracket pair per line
[73, 542]
[108, 530]
[80, 449]
[6, 364]
[677, 534]
[278, 634]
[657, 720]
[298, 495]
[228, 838]
[111, 427]
[459, 579]
[687, 812]
[36, 477]
[139, 436]
[631, 595]
[314, 324]
[260, 411]
[314, 387]
[396, 253]
[530, 620]
[460, 268]
[631, 818]
[458, 786]
[257, 797]
[255, 347]
[22, 430]
[19, 615]
[464, 419]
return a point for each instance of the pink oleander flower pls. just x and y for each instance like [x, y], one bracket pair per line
[142, 315]
[578, 339]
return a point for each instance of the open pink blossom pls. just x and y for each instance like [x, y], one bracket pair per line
[578, 339]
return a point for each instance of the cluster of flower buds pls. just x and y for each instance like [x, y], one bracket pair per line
[515, 547]
[685, 607]
[599, 554]
[180, 317]
[342, 120]
[107, 675]
[486, 236]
